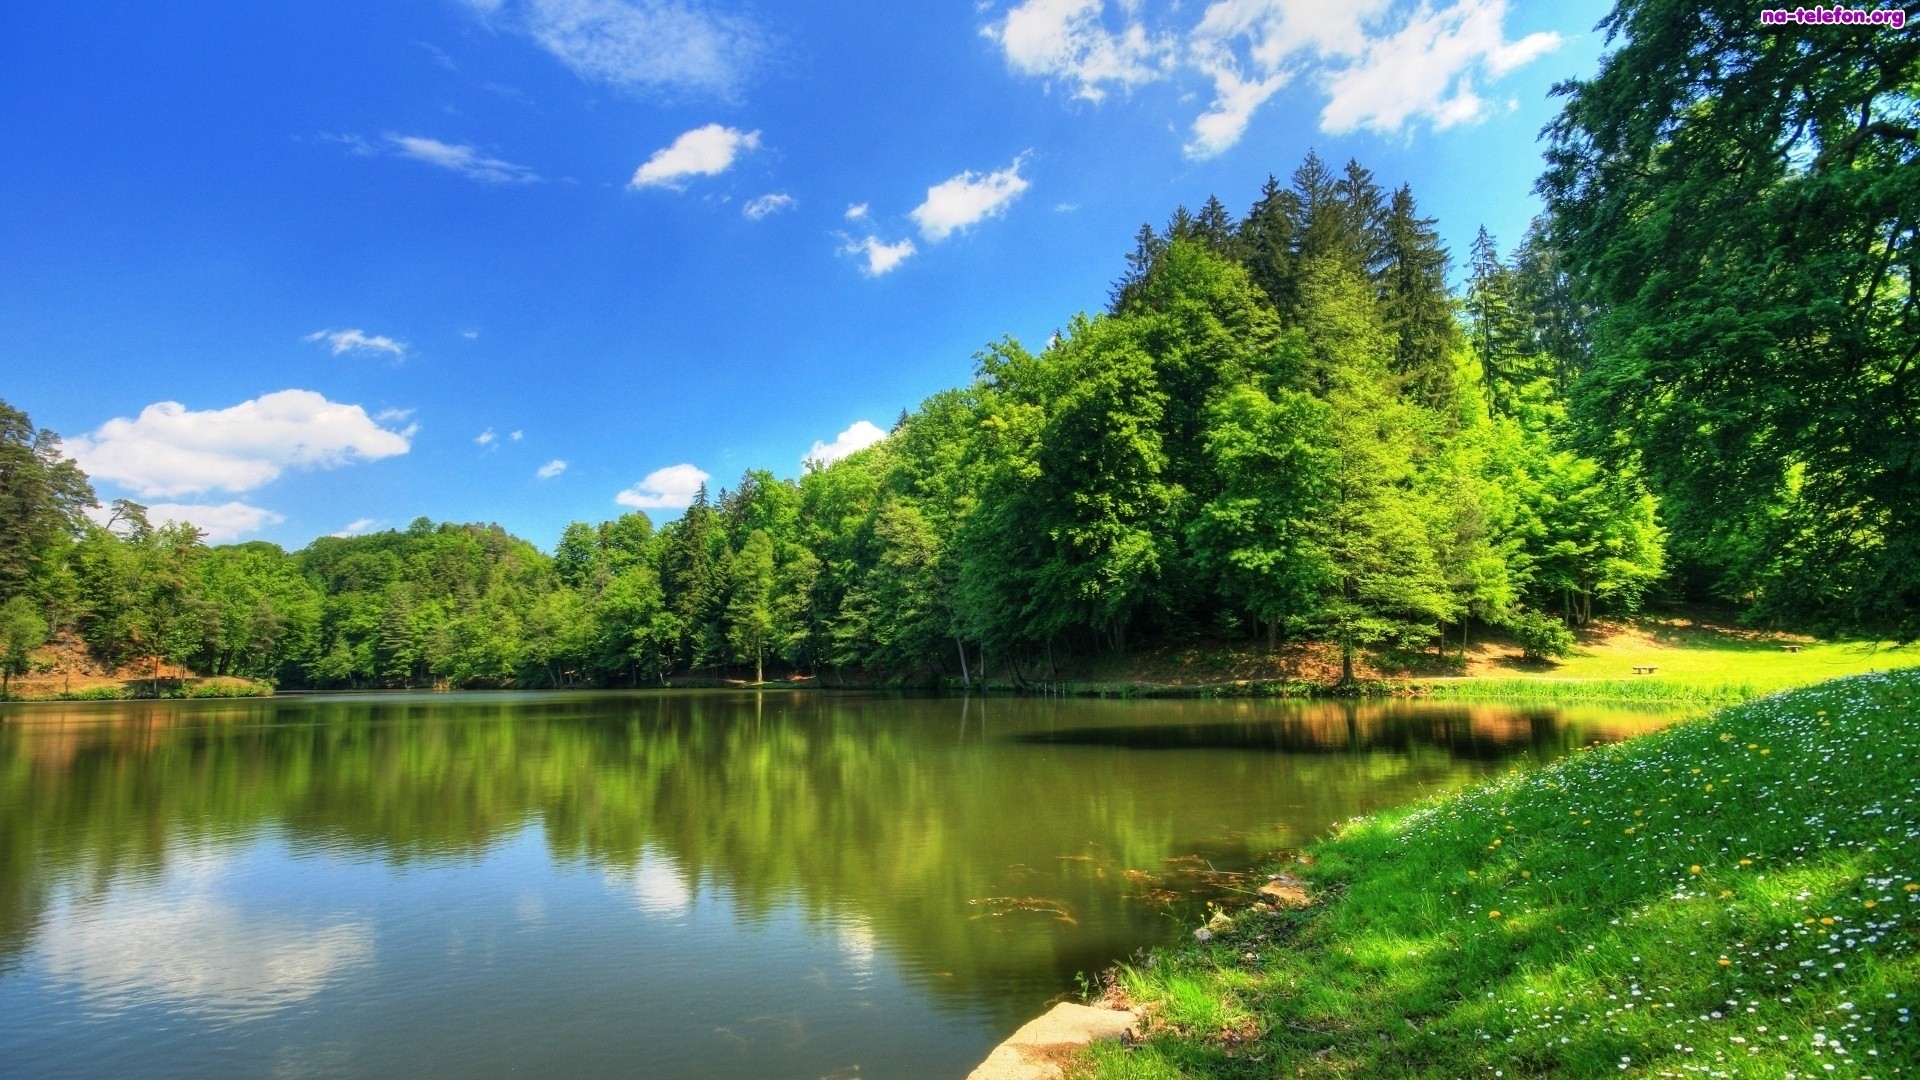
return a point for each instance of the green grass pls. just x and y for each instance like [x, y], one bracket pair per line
[1649, 690]
[1733, 896]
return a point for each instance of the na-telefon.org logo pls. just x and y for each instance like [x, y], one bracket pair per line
[1890, 18]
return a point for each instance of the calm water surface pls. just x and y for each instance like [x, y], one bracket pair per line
[653, 885]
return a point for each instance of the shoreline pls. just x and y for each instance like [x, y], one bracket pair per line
[1593, 916]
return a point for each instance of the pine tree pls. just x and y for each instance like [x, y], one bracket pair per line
[1416, 304]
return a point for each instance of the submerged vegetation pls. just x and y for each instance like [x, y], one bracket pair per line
[1735, 896]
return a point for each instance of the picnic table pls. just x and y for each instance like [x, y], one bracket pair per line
[1643, 669]
[1789, 648]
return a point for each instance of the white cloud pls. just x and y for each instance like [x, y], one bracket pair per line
[1426, 69]
[1069, 40]
[485, 437]
[856, 211]
[862, 434]
[881, 258]
[671, 488]
[465, 160]
[768, 204]
[170, 450]
[344, 341]
[516, 436]
[704, 151]
[186, 945]
[356, 527]
[1380, 65]
[470, 335]
[551, 469]
[638, 45]
[222, 524]
[954, 204]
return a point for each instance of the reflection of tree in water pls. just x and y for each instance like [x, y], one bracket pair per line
[922, 817]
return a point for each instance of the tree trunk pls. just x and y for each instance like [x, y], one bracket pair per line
[1346, 663]
[759, 666]
[966, 679]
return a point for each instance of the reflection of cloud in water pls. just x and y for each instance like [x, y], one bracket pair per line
[198, 954]
[658, 886]
[857, 944]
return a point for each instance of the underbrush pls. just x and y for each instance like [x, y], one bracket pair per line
[1733, 896]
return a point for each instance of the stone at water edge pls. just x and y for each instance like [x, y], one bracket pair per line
[1033, 1052]
[1286, 891]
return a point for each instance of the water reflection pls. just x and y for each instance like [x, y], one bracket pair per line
[194, 952]
[762, 867]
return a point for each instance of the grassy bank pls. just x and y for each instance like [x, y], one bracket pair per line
[1734, 896]
[1691, 663]
[137, 689]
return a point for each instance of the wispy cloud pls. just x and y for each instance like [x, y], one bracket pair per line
[768, 204]
[857, 211]
[639, 45]
[880, 258]
[551, 469]
[1071, 40]
[671, 488]
[859, 436]
[704, 151]
[465, 160]
[356, 527]
[172, 450]
[346, 341]
[486, 437]
[1380, 66]
[967, 199]
[220, 524]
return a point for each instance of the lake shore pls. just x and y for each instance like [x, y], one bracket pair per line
[1738, 894]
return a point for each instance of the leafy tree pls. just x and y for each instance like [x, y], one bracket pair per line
[42, 496]
[1253, 537]
[1739, 204]
[22, 630]
[750, 603]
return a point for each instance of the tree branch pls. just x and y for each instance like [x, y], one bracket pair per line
[1845, 147]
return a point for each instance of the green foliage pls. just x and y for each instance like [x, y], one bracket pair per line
[22, 630]
[1734, 894]
[1541, 637]
[1738, 205]
[42, 495]
[1277, 427]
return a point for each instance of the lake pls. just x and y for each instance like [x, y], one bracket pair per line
[657, 884]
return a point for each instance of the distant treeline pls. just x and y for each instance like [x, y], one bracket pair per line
[1284, 427]
[1280, 429]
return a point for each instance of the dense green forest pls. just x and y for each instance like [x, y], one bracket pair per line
[1694, 378]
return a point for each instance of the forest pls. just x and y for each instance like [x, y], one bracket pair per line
[1693, 379]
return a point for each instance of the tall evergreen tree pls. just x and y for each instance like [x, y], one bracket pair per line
[1415, 302]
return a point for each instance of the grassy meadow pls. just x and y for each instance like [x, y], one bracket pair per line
[1738, 895]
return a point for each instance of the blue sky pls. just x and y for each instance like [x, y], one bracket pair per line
[288, 270]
